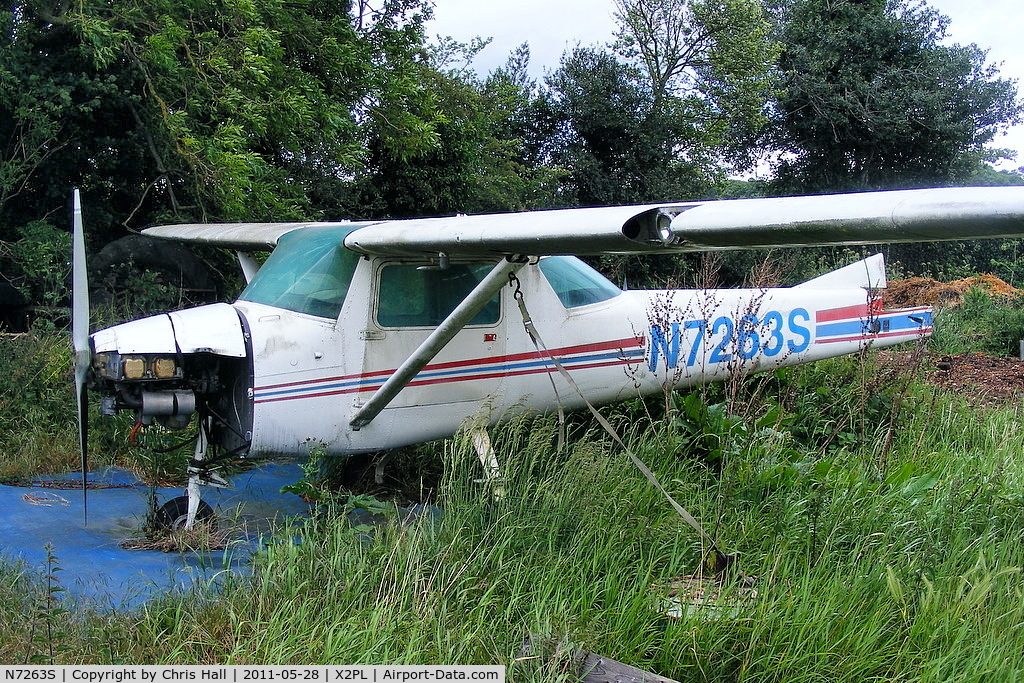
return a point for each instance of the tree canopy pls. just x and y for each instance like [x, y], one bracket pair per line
[871, 98]
[201, 110]
[233, 110]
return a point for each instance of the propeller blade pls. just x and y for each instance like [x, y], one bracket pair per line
[80, 337]
[83, 443]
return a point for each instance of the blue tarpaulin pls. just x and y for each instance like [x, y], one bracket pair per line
[96, 569]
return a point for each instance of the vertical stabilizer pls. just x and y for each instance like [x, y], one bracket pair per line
[868, 274]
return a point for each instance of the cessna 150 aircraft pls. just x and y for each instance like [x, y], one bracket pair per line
[366, 336]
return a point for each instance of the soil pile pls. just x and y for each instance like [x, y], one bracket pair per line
[923, 291]
[985, 378]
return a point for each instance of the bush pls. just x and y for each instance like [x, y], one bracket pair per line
[981, 324]
[39, 266]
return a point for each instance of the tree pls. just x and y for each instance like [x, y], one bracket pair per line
[201, 110]
[206, 110]
[712, 59]
[61, 121]
[688, 94]
[614, 144]
[663, 124]
[871, 99]
[480, 163]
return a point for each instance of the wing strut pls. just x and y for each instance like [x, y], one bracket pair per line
[438, 339]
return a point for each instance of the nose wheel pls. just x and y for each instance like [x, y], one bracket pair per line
[184, 512]
[173, 515]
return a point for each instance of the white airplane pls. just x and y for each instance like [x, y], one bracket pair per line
[367, 336]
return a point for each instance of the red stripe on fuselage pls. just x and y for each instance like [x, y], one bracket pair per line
[844, 313]
[443, 380]
[565, 351]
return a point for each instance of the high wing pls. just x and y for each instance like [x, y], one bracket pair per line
[245, 236]
[861, 218]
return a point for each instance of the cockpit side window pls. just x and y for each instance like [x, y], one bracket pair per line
[414, 296]
[309, 272]
[575, 283]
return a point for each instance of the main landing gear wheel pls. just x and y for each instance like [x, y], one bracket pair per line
[173, 515]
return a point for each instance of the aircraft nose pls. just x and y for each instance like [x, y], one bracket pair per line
[215, 328]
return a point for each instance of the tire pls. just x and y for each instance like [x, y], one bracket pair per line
[174, 513]
[112, 270]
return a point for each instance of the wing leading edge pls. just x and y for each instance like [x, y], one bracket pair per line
[862, 218]
[244, 236]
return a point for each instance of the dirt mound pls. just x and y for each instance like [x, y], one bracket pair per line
[922, 291]
[979, 376]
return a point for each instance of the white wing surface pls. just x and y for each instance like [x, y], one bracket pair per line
[869, 217]
[862, 218]
[244, 236]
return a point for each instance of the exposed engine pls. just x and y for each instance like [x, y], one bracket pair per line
[170, 367]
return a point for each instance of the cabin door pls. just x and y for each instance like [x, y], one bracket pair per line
[410, 300]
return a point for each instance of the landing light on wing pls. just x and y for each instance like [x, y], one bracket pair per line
[663, 222]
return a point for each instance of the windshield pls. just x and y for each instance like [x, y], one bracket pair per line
[309, 272]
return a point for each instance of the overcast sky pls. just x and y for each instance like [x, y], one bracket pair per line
[553, 26]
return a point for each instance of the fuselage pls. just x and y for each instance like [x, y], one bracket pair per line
[319, 329]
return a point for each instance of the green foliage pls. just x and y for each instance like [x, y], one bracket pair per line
[127, 291]
[38, 420]
[321, 483]
[709, 62]
[51, 105]
[43, 626]
[872, 99]
[478, 163]
[1009, 262]
[199, 110]
[617, 144]
[715, 434]
[40, 267]
[835, 404]
[944, 261]
[38, 397]
[983, 323]
[911, 562]
[915, 570]
[47, 619]
[248, 96]
[293, 110]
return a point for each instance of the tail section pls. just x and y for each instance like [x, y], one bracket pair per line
[868, 274]
[868, 322]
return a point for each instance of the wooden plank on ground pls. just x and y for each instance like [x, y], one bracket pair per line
[598, 669]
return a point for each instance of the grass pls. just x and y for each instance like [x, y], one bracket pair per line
[882, 517]
[982, 323]
[38, 417]
[36, 367]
